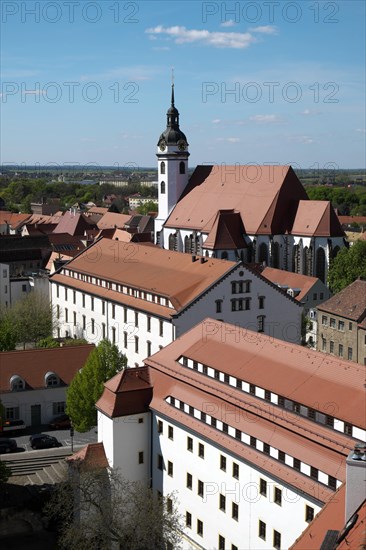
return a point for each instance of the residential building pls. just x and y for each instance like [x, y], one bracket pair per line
[241, 426]
[253, 213]
[342, 323]
[142, 297]
[307, 290]
[33, 383]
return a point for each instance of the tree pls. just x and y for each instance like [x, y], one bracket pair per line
[34, 318]
[87, 386]
[8, 331]
[147, 207]
[347, 266]
[5, 472]
[100, 509]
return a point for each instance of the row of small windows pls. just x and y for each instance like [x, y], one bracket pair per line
[259, 445]
[275, 399]
[13, 413]
[182, 167]
[333, 323]
[340, 349]
[129, 291]
[17, 383]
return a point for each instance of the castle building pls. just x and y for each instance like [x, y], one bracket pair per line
[253, 213]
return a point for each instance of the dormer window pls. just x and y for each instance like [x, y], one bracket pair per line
[51, 380]
[17, 383]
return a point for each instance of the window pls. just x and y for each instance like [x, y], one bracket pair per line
[148, 348]
[261, 302]
[221, 543]
[332, 482]
[223, 463]
[162, 187]
[331, 346]
[74, 296]
[160, 427]
[169, 505]
[278, 496]
[125, 315]
[263, 487]
[136, 344]
[162, 168]
[297, 464]
[347, 429]
[281, 456]
[332, 323]
[260, 323]
[276, 539]
[324, 344]
[170, 468]
[188, 519]
[12, 413]
[74, 318]
[314, 472]
[141, 457]
[148, 323]
[266, 448]
[58, 407]
[321, 296]
[52, 380]
[341, 326]
[5, 274]
[66, 294]
[199, 527]
[92, 303]
[222, 503]
[253, 441]
[161, 328]
[92, 326]
[324, 320]
[83, 300]
[262, 530]
[189, 481]
[200, 488]
[218, 306]
[350, 326]
[66, 315]
[170, 432]
[136, 318]
[182, 168]
[160, 462]
[309, 513]
[201, 450]
[235, 470]
[235, 511]
[84, 322]
[58, 311]
[349, 354]
[315, 296]
[125, 337]
[340, 350]
[189, 444]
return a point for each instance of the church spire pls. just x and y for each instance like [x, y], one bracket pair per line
[172, 102]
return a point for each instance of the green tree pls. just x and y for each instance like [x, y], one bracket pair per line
[87, 386]
[347, 266]
[34, 318]
[100, 509]
[8, 331]
[144, 209]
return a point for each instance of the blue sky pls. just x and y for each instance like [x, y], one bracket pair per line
[273, 82]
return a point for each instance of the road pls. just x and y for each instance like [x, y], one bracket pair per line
[63, 437]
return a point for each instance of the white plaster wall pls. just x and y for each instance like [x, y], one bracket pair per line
[25, 399]
[16, 289]
[4, 286]
[288, 519]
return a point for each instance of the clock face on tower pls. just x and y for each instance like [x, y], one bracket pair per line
[162, 145]
[182, 145]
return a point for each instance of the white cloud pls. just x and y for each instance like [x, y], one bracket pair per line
[266, 119]
[301, 139]
[139, 72]
[265, 29]
[229, 23]
[182, 35]
[87, 140]
[310, 112]
[229, 139]
[216, 121]
[361, 130]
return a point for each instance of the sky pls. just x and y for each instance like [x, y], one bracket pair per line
[273, 82]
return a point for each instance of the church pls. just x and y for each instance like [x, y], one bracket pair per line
[252, 213]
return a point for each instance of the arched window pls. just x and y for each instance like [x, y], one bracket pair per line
[182, 168]
[263, 253]
[162, 187]
[51, 379]
[17, 383]
[320, 264]
[187, 244]
[336, 249]
[305, 264]
[275, 255]
[296, 259]
[172, 241]
[162, 168]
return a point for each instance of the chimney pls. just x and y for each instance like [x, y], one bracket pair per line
[193, 258]
[202, 260]
[355, 479]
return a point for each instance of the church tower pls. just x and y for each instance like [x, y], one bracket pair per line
[172, 167]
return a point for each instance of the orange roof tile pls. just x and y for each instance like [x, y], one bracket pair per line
[292, 280]
[113, 220]
[227, 232]
[91, 456]
[316, 218]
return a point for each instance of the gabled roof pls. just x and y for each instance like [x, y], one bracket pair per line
[13, 220]
[33, 365]
[91, 456]
[112, 220]
[128, 392]
[293, 280]
[349, 302]
[316, 219]
[265, 196]
[73, 223]
[226, 232]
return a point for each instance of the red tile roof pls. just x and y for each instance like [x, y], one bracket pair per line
[292, 280]
[316, 219]
[227, 232]
[349, 302]
[33, 365]
[112, 220]
[73, 223]
[91, 456]
[13, 220]
[265, 196]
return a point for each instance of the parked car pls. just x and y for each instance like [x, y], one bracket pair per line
[43, 441]
[60, 422]
[7, 445]
[10, 426]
